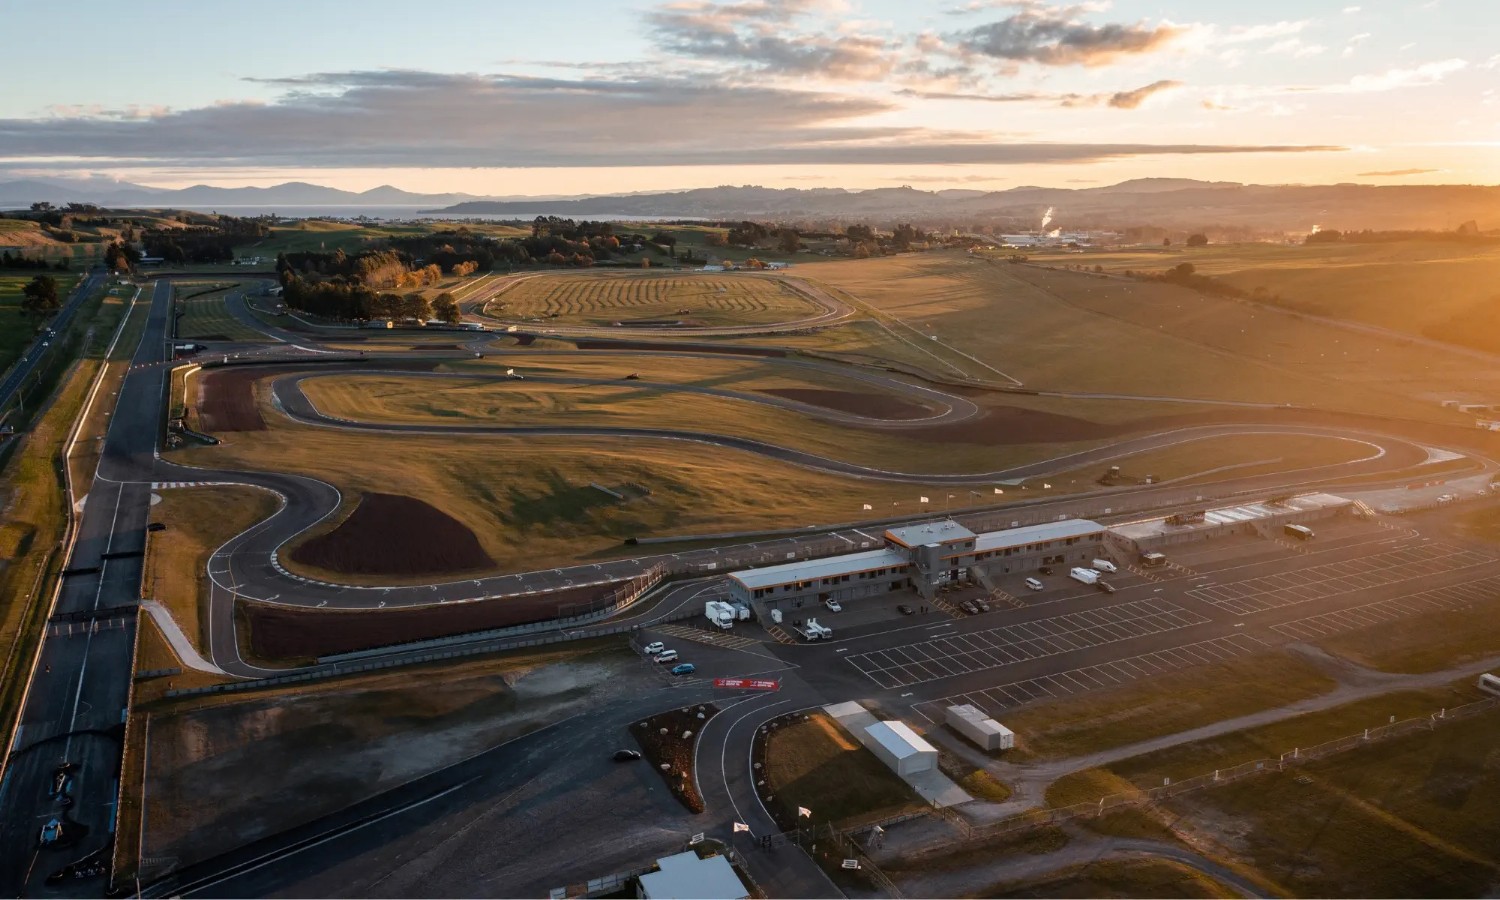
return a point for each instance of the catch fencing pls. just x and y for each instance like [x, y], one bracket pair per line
[1037, 818]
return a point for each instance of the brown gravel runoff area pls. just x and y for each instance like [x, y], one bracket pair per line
[279, 632]
[226, 401]
[390, 534]
[874, 406]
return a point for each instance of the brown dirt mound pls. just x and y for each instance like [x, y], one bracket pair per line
[390, 534]
[227, 401]
[875, 406]
[277, 632]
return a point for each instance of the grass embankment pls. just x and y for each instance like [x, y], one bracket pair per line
[1409, 817]
[1423, 643]
[1166, 704]
[1161, 339]
[198, 521]
[1263, 742]
[206, 318]
[609, 298]
[813, 763]
[33, 495]
[1117, 878]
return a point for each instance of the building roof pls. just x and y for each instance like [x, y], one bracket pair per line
[923, 534]
[1230, 515]
[1031, 534]
[898, 739]
[685, 877]
[814, 569]
[974, 716]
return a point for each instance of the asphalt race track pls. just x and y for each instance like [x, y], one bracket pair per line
[78, 692]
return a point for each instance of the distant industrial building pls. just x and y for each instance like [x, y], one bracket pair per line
[686, 877]
[921, 557]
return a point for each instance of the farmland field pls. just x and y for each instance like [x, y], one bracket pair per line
[696, 299]
[1440, 290]
[16, 329]
[1046, 328]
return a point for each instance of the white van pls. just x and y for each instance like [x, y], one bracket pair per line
[654, 648]
[667, 656]
[1105, 565]
[1035, 584]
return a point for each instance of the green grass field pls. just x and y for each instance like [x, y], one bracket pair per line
[817, 765]
[606, 298]
[205, 316]
[1153, 707]
[1409, 817]
[1118, 878]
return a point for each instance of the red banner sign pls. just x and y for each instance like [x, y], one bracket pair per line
[748, 684]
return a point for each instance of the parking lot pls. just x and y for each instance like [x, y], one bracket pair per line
[1391, 564]
[959, 654]
[997, 700]
[1355, 617]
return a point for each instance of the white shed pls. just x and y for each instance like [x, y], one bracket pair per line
[686, 877]
[902, 749]
[973, 724]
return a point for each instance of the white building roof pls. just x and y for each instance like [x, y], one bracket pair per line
[686, 877]
[924, 533]
[1031, 534]
[898, 738]
[815, 569]
[972, 714]
[1230, 515]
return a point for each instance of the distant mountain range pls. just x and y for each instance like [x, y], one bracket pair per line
[1177, 203]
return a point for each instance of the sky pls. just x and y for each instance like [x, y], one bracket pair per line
[511, 98]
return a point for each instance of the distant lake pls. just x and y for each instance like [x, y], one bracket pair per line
[411, 212]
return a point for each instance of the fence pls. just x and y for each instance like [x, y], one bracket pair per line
[1037, 818]
[619, 598]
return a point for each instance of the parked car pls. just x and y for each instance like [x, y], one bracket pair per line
[1105, 586]
[627, 755]
[1046, 570]
[1035, 584]
[51, 832]
[666, 656]
[905, 609]
[969, 607]
[983, 606]
[833, 605]
[684, 669]
[653, 648]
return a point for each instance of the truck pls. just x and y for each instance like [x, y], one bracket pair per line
[1300, 532]
[1087, 576]
[1153, 560]
[719, 613]
[824, 633]
[187, 349]
[741, 612]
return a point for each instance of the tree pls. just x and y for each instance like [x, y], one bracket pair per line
[788, 240]
[39, 296]
[446, 308]
[415, 306]
[858, 233]
[1197, 240]
[1166, 242]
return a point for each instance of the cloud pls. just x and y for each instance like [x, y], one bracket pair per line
[1133, 99]
[1424, 75]
[1350, 10]
[1116, 100]
[760, 35]
[431, 120]
[1397, 173]
[1059, 36]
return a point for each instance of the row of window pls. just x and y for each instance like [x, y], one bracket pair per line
[794, 586]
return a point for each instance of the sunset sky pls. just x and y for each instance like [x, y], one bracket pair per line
[600, 97]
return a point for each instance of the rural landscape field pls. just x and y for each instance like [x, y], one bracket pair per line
[752, 450]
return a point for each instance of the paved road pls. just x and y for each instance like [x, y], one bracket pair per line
[77, 696]
[36, 352]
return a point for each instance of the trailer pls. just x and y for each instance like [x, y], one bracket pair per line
[1300, 532]
[1087, 576]
[973, 724]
